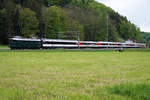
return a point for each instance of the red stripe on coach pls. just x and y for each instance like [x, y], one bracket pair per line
[98, 44]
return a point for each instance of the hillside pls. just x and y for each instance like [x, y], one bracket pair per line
[46, 18]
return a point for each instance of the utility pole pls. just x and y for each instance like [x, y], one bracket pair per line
[107, 27]
[78, 40]
[59, 35]
[107, 30]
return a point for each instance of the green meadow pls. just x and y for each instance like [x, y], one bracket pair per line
[74, 75]
[4, 47]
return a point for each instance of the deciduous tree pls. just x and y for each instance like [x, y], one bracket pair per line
[55, 21]
[29, 23]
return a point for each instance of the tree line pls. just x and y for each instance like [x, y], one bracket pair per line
[46, 18]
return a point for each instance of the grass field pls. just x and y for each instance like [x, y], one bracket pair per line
[4, 47]
[74, 75]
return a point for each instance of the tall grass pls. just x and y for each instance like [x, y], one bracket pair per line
[135, 91]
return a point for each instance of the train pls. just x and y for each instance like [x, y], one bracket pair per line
[33, 43]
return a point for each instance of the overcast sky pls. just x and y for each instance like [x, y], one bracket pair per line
[137, 11]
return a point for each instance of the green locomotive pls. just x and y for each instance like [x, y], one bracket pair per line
[22, 43]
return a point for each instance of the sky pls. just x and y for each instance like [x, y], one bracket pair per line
[137, 11]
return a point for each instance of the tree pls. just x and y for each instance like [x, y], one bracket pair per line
[36, 6]
[29, 23]
[4, 26]
[82, 3]
[61, 3]
[130, 31]
[73, 25]
[19, 1]
[112, 31]
[16, 22]
[55, 21]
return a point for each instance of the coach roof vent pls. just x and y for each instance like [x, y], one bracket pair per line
[17, 37]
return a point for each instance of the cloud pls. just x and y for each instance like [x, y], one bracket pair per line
[137, 11]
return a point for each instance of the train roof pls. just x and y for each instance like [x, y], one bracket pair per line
[58, 40]
[25, 39]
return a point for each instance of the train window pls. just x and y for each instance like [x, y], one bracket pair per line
[88, 43]
[104, 43]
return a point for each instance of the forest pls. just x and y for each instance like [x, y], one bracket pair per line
[48, 18]
[146, 37]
